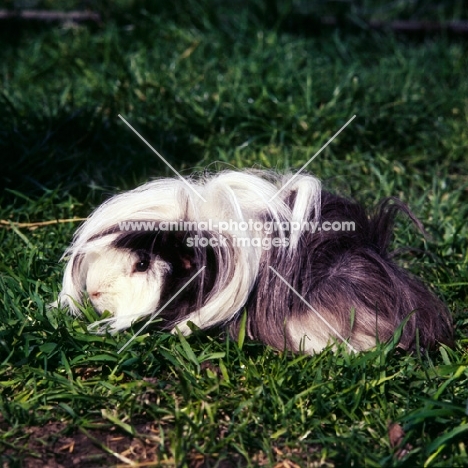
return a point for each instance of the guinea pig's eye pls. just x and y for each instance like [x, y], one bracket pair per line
[142, 266]
[143, 263]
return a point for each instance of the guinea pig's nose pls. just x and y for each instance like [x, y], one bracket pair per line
[94, 294]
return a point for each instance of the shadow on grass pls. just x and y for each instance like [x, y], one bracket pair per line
[84, 152]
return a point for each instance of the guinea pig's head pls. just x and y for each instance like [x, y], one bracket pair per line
[127, 283]
[140, 274]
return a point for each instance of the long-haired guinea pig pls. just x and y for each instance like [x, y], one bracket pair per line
[309, 267]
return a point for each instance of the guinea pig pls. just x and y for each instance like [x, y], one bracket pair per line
[309, 267]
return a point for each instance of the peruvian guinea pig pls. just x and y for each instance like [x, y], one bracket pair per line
[308, 267]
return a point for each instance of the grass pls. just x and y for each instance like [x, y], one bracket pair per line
[213, 88]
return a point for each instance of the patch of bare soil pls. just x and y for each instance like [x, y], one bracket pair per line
[56, 445]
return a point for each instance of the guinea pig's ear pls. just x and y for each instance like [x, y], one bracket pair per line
[187, 255]
[175, 248]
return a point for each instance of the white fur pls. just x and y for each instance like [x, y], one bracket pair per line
[112, 284]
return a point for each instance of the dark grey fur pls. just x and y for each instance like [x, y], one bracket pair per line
[339, 271]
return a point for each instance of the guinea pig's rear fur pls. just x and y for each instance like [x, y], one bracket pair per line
[300, 290]
[339, 271]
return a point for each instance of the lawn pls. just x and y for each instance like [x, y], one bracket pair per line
[215, 85]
